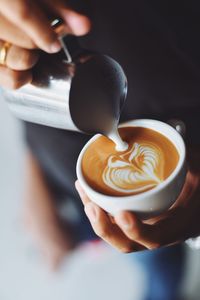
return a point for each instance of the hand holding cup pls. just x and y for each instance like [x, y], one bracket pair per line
[149, 219]
[128, 233]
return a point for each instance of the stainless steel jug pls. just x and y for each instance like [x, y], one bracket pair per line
[83, 91]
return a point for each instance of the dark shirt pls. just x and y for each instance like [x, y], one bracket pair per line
[158, 45]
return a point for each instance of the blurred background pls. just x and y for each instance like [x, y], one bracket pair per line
[91, 272]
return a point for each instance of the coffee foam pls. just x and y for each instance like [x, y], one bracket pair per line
[149, 160]
[136, 170]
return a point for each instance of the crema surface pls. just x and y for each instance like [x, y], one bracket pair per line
[149, 160]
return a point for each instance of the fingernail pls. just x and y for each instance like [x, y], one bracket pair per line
[55, 47]
[91, 212]
[126, 221]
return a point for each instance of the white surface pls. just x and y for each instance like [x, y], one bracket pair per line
[89, 274]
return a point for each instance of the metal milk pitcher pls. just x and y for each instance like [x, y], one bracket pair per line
[75, 89]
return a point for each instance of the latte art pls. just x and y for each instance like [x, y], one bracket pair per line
[135, 171]
[148, 161]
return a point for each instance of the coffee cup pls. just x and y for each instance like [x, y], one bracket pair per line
[151, 202]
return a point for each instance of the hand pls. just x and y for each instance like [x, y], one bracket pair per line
[128, 233]
[17, 70]
[25, 24]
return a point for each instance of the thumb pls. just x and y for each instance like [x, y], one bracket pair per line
[78, 23]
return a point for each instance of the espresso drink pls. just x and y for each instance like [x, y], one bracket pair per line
[148, 161]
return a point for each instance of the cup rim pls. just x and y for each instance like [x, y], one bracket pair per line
[146, 123]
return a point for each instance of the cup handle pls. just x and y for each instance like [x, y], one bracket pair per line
[179, 126]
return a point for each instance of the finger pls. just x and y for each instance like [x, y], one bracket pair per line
[77, 23]
[162, 233]
[190, 188]
[12, 34]
[133, 228]
[108, 231]
[137, 231]
[104, 226]
[82, 193]
[27, 15]
[14, 79]
[20, 59]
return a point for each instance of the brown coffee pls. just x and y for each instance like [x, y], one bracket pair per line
[149, 160]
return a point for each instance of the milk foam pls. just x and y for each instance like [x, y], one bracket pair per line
[136, 170]
[120, 144]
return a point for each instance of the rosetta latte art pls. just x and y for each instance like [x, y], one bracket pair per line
[137, 170]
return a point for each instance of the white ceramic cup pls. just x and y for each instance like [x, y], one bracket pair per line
[154, 201]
